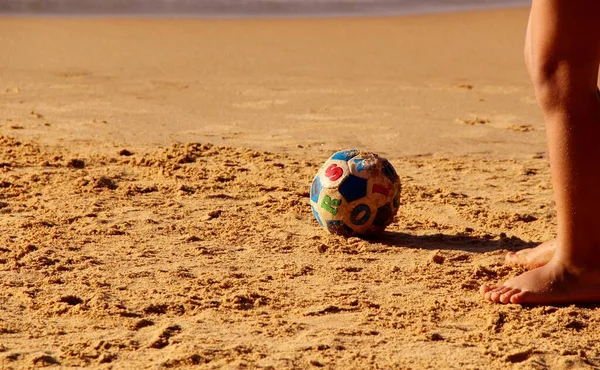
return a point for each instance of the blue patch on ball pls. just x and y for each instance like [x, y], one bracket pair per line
[315, 189]
[353, 188]
[345, 155]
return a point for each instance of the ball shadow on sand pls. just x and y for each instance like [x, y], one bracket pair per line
[463, 242]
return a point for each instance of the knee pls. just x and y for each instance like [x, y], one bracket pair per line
[562, 86]
[551, 83]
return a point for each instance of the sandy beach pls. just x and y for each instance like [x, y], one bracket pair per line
[154, 182]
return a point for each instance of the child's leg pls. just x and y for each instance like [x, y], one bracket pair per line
[531, 258]
[565, 45]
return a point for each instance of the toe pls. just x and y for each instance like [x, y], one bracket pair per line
[495, 294]
[486, 291]
[506, 296]
[519, 298]
[486, 288]
[511, 257]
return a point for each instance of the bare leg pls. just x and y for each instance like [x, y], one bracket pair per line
[565, 45]
[531, 258]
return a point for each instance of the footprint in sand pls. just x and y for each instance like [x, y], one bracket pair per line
[36, 114]
[476, 120]
[499, 121]
[521, 128]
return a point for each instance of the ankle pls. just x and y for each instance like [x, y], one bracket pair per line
[575, 265]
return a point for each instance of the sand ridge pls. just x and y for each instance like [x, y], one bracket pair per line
[196, 254]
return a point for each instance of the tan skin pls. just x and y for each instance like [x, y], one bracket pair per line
[531, 258]
[562, 57]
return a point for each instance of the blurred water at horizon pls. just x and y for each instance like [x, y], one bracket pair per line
[245, 8]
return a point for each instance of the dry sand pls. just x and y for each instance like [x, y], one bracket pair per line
[124, 243]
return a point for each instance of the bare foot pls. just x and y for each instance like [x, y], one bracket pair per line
[531, 258]
[551, 283]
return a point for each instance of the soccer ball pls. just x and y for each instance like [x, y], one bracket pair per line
[355, 193]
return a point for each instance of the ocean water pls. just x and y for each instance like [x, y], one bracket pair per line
[246, 8]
